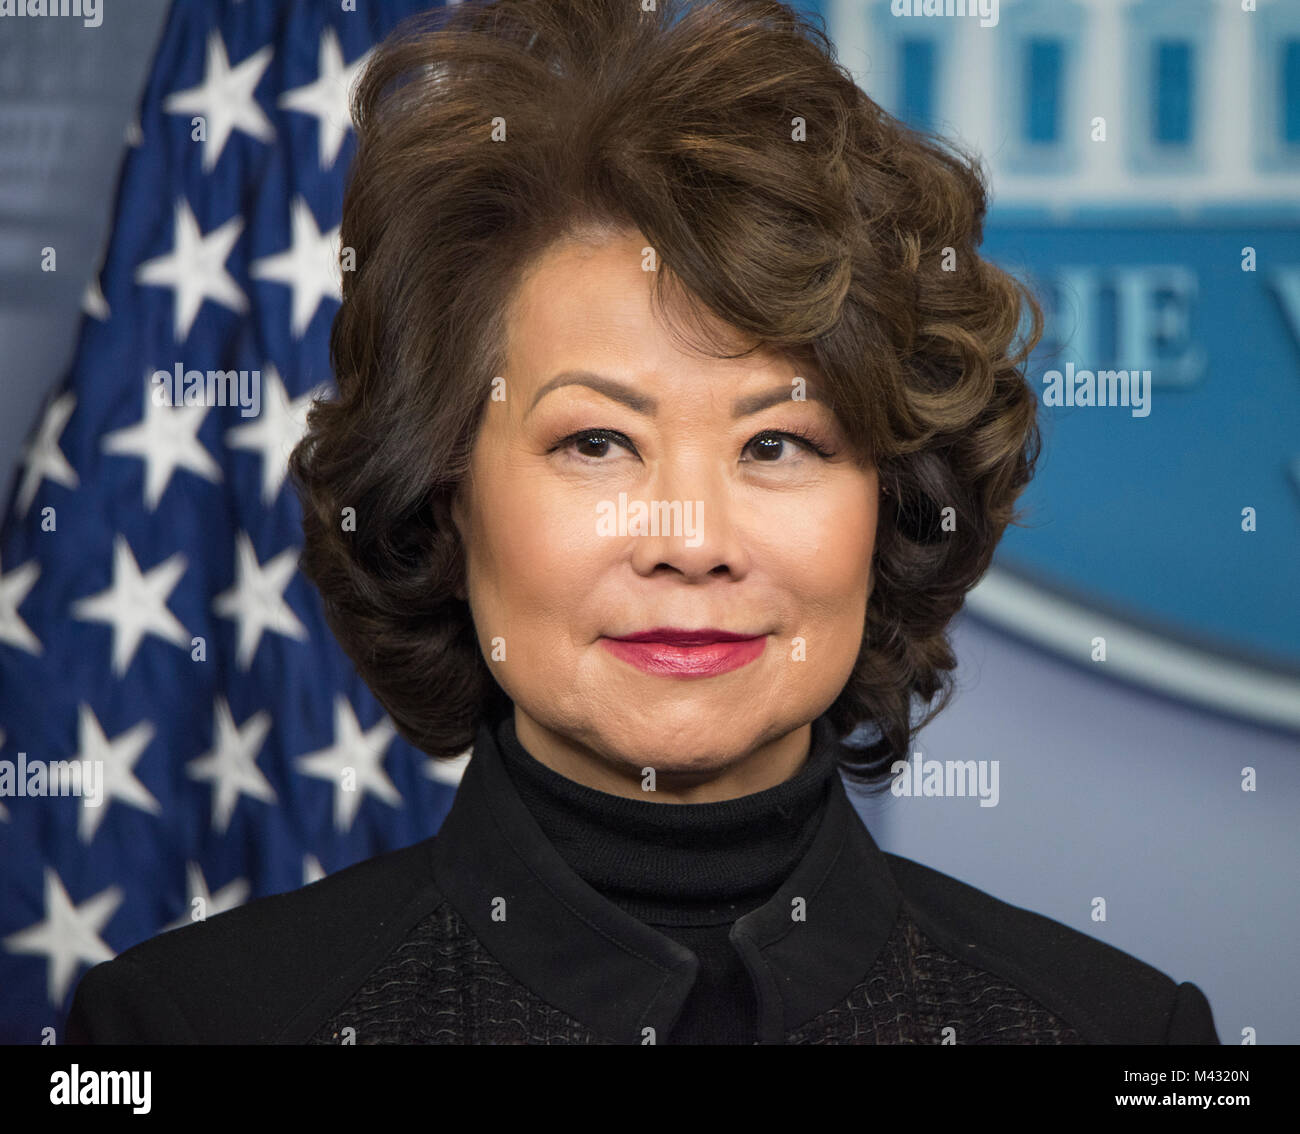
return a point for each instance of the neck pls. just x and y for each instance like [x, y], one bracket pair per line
[703, 864]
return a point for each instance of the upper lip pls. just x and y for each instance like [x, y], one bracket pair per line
[673, 636]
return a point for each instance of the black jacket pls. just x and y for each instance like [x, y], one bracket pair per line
[484, 935]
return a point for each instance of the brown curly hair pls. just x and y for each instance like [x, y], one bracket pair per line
[776, 194]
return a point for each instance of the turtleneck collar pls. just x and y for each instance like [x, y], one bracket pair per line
[672, 863]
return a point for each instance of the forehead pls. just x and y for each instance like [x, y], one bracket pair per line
[587, 305]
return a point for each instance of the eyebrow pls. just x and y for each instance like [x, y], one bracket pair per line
[648, 406]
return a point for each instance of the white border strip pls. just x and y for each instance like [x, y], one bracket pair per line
[1183, 670]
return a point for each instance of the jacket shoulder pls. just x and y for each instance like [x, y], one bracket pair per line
[1108, 995]
[261, 973]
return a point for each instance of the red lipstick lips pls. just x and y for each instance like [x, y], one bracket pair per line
[672, 652]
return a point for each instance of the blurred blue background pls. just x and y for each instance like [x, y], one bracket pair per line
[1141, 155]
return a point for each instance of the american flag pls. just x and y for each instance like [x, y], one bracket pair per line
[153, 623]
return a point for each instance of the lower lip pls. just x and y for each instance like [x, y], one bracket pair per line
[686, 661]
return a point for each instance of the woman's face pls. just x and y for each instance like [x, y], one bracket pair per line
[763, 538]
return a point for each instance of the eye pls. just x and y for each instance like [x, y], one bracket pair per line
[771, 443]
[589, 439]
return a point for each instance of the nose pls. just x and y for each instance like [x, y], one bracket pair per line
[692, 522]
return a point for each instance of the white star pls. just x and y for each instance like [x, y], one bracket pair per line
[231, 763]
[232, 894]
[118, 757]
[195, 268]
[327, 97]
[166, 438]
[69, 934]
[310, 266]
[93, 302]
[257, 598]
[42, 457]
[312, 871]
[279, 427]
[13, 590]
[447, 771]
[225, 99]
[356, 752]
[135, 604]
[132, 134]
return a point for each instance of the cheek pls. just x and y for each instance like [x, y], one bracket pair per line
[539, 544]
[827, 566]
[829, 539]
[852, 548]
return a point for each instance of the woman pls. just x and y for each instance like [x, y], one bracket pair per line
[676, 415]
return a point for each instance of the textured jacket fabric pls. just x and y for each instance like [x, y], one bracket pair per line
[484, 935]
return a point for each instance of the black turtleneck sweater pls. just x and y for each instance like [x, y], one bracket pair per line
[688, 870]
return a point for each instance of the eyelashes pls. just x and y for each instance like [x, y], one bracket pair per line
[807, 441]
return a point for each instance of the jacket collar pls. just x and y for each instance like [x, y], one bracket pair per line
[805, 949]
